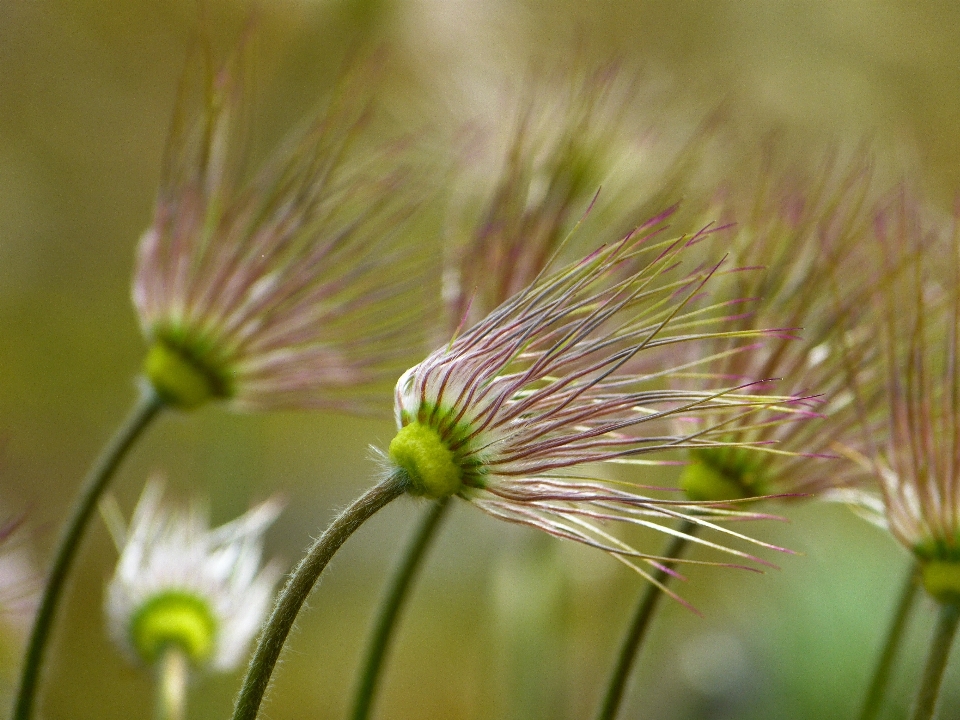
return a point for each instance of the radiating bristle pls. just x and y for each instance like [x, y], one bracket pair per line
[910, 441]
[799, 263]
[290, 287]
[529, 400]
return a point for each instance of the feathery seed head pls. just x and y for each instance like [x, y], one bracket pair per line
[911, 438]
[570, 135]
[510, 414]
[179, 583]
[287, 289]
[799, 238]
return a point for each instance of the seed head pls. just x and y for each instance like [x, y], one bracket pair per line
[512, 414]
[799, 240]
[911, 440]
[282, 290]
[521, 194]
[180, 583]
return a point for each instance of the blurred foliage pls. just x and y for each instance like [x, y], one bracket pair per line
[86, 91]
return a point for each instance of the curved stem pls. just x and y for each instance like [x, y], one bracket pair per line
[937, 661]
[298, 587]
[391, 605]
[172, 696]
[891, 648]
[94, 484]
[639, 625]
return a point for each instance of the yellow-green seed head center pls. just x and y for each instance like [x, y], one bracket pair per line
[941, 578]
[723, 472]
[174, 619]
[420, 451]
[703, 482]
[939, 561]
[180, 379]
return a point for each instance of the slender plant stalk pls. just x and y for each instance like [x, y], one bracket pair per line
[391, 606]
[298, 587]
[937, 661]
[172, 686]
[146, 409]
[639, 625]
[891, 648]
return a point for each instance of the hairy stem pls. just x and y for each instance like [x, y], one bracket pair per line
[937, 661]
[172, 687]
[638, 626]
[891, 647]
[95, 483]
[298, 587]
[391, 606]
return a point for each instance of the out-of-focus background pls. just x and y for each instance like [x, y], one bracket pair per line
[504, 624]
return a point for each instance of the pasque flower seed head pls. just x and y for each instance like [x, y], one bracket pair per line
[911, 439]
[287, 289]
[516, 414]
[800, 238]
[181, 583]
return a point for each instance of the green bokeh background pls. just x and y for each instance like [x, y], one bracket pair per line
[504, 624]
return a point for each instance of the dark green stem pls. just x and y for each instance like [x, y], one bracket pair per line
[891, 648]
[937, 661]
[298, 587]
[95, 483]
[639, 625]
[391, 605]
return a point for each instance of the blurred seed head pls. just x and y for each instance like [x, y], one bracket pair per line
[288, 288]
[911, 438]
[798, 239]
[569, 150]
[180, 583]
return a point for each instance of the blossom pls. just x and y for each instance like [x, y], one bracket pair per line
[911, 440]
[180, 583]
[285, 290]
[512, 414]
[800, 239]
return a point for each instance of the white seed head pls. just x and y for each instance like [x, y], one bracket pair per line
[216, 573]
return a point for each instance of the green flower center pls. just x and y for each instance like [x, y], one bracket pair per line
[940, 569]
[942, 580]
[429, 463]
[174, 618]
[181, 377]
[724, 473]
